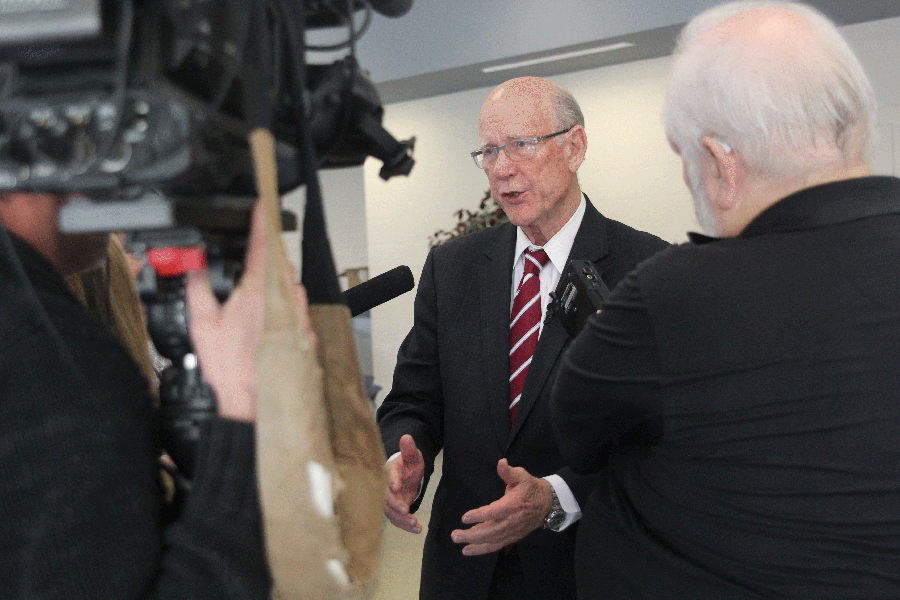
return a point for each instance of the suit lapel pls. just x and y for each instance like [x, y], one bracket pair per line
[495, 284]
[590, 244]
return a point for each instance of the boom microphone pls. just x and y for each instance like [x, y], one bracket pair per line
[391, 8]
[326, 13]
[378, 290]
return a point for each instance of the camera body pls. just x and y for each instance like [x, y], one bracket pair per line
[579, 294]
[120, 99]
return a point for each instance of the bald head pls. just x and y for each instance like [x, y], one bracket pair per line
[539, 95]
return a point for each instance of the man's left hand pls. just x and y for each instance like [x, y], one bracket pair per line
[521, 510]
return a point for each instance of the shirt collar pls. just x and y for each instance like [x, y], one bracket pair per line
[821, 205]
[40, 272]
[559, 246]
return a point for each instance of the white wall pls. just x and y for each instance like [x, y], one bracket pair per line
[343, 198]
[630, 173]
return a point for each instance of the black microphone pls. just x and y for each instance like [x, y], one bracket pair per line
[378, 290]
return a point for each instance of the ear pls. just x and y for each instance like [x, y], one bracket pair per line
[721, 171]
[33, 217]
[19, 211]
[576, 147]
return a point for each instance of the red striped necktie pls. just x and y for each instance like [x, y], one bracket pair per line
[524, 326]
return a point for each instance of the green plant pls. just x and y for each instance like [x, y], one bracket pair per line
[488, 214]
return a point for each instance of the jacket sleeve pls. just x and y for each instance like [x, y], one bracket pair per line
[81, 499]
[607, 394]
[415, 403]
[215, 546]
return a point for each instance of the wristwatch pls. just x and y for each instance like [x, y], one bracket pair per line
[556, 515]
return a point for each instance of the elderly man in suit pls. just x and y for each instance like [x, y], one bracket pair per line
[474, 374]
[738, 394]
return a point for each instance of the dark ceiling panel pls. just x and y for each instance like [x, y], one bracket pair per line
[652, 43]
[647, 44]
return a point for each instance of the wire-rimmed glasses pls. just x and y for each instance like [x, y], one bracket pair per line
[516, 149]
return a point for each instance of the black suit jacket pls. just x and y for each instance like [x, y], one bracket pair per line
[451, 389]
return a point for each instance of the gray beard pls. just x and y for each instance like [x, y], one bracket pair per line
[702, 212]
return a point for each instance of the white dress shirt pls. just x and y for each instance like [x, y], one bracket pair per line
[557, 248]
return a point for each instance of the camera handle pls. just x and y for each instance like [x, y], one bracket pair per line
[186, 400]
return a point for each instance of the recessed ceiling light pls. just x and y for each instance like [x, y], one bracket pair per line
[555, 57]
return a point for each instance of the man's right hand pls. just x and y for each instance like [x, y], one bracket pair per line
[405, 474]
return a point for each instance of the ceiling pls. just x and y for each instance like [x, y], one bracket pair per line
[442, 46]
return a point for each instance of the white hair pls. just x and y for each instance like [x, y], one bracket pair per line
[566, 109]
[791, 105]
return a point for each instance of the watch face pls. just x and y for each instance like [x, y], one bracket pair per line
[555, 518]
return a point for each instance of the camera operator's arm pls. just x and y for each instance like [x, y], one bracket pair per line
[221, 514]
[77, 445]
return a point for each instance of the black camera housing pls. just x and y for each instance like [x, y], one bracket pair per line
[115, 98]
[142, 109]
[579, 294]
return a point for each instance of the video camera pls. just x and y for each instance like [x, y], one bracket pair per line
[142, 109]
[114, 98]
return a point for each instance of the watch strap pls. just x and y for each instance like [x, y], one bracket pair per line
[556, 515]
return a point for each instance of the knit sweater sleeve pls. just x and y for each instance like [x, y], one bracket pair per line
[214, 549]
[80, 501]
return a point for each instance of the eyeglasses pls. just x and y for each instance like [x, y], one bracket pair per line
[517, 149]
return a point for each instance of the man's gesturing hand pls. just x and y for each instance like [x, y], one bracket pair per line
[520, 511]
[405, 474]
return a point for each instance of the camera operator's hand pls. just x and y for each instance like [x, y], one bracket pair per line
[226, 336]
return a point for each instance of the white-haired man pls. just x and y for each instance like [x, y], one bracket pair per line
[748, 437]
